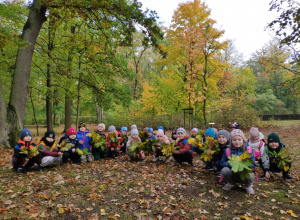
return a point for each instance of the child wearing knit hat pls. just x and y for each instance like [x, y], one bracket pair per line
[194, 132]
[237, 147]
[49, 154]
[274, 145]
[125, 139]
[162, 138]
[208, 133]
[184, 154]
[133, 138]
[85, 142]
[19, 159]
[69, 145]
[113, 147]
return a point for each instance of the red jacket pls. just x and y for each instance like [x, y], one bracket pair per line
[184, 147]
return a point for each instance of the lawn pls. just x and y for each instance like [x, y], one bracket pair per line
[119, 189]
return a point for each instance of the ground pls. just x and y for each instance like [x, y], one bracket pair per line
[120, 189]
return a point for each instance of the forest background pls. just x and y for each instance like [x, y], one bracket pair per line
[111, 62]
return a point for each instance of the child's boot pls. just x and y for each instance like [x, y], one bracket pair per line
[249, 189]
[229, 186]
[286, 175]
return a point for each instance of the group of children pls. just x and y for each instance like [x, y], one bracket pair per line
[73, 143]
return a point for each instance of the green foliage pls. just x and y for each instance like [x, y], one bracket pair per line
[31, 152]
[241, 164]
[149, 146]
[282, 159]
[167, 149]
[99, 141]
[265, 103]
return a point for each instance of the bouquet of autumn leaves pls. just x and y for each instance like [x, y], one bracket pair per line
[113, 139]
[241, 164]
[143, 135]
[31, 152]
[282, 159]
[135, 149]
[208, 148]
[66, 145]
[99, 141]
[167, 149]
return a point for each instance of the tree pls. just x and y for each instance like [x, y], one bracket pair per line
[119, 14]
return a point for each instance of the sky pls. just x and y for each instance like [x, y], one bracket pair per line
[244, 21]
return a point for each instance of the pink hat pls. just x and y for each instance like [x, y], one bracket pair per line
[237, 132]
[254, 132]
[160, 132]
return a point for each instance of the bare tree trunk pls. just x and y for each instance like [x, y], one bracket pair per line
[49, 96]
[3, 128]
[68, 97]
[19, 90]
[99, 112]
[33, 109]
[78, 95]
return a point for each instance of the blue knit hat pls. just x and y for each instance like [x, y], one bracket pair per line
[160, 127]
[211, 133]
[225, 133]
[124, 129]
[24, 132]
[150, 130]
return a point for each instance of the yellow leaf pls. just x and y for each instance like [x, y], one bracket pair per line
[61, 210]
[172, 197]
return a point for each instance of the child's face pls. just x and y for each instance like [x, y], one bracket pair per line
[82, 129]
[222, 139]
[123, 132]
[159, 138]
[72, 136]
[27, 138]
[274, 145]
[49, 139]
[149, 134]
[180, 135]
[175, 136]
[111, 132]
[100, 129]
[135, 136]
[194, 133]
[254, 139]
[237, 141]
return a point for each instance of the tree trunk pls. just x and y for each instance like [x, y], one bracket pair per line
[99, 111]
[49, 96]
[19, 90]
[68, 96]
[34, 116]
[3, 128]
[78, 94]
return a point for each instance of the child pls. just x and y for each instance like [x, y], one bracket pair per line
[133, 127]
[133, 139]
[223, 142]
[174, 135]
[235, 125]
[256, 144]
[113, 147]
[237, 147]
[125, 139]
[274, 144]
[161, 139]
[194, 132]
[208, 133]
[150, 133]
[69, 144]
[49, 154]
[184, 154]
[98, 153]
[19, 159]
[85, 141]
[162, 128]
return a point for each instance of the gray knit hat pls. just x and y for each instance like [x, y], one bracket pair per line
[112, 128]
[181, 130]
[225, 133]
[134, 131]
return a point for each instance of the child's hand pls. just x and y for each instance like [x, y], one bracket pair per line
[60, 153]
[73, 150]
[80, 142]
[176, 151]
[177, 140]
[267, 174]
[112, 149]
[194, 153]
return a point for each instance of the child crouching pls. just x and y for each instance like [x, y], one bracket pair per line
[161, 139]
[49, 154]
[24, 145]
[237, 147]
[69, 145]
[134, 138]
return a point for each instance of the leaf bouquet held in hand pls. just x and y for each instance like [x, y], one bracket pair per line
[100, 141]
[282, 159]
[209, 148]
[31, 152]
[241, 164]
[149, 146]
[167, 149]
[112, 138]
[135, 149]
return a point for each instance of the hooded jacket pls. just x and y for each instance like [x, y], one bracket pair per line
[184, 146]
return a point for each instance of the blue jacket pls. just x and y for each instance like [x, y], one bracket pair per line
[81, 136]
[235, 151]
[75, 142]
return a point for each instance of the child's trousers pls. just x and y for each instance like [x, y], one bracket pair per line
[75, 157]
[233, 178]
[185, 157]
[21, 159]
[87, 158]
[49, 160]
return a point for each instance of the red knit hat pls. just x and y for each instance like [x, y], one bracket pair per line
[71, 131]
